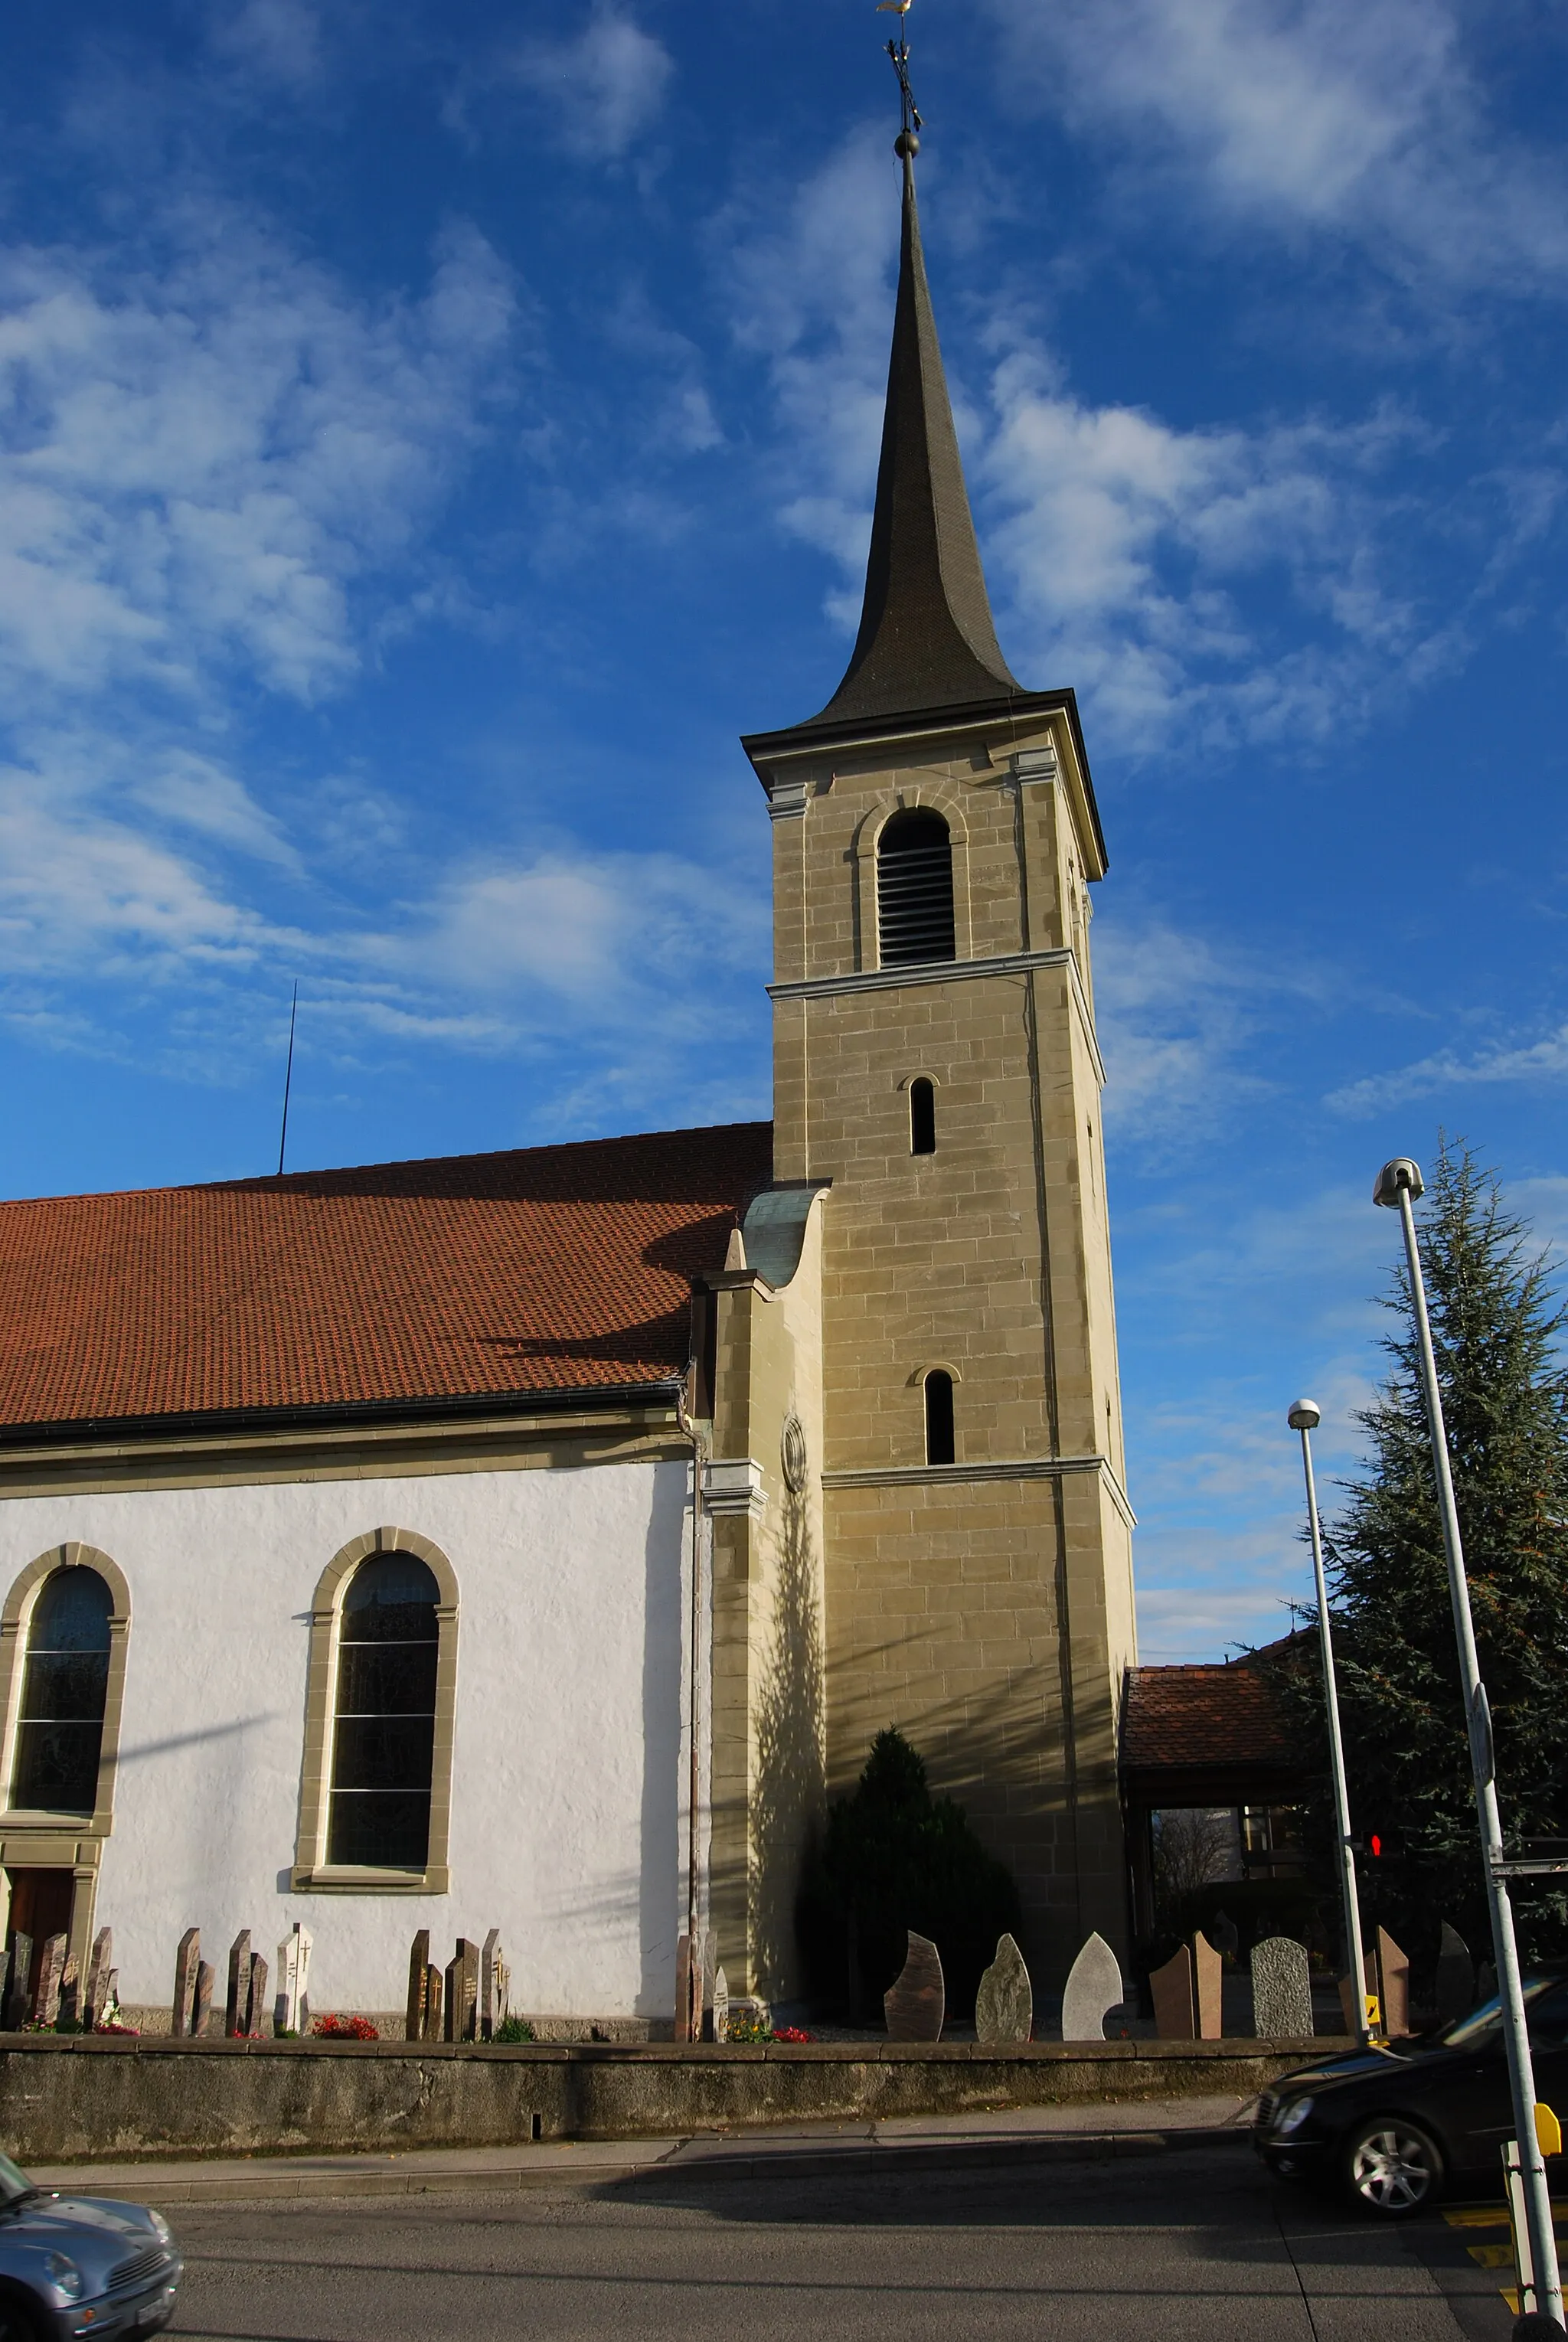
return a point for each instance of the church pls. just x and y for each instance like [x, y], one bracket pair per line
[537, 1540]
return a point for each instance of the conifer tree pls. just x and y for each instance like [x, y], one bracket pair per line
[1496, 1329]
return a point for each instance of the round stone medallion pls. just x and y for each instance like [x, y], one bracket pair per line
[792, 1447]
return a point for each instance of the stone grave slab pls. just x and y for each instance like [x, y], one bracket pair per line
[1093, 1989]
[1176, 2009]
[1455, 1976]
[202, 2006]
[721, 2005]
[462, 1991]
[255, 2013]
[915, 2005]
[18, 1996]
[236, 2002]
[418, 1975]
[492, 1985]
[1005, 2004]
[1393, 1986]
[1208, 1980]
[1282, 1989]
[50, 1975]
[187, 1959]
[100, 1960]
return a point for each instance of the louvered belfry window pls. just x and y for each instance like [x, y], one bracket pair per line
[914, 890]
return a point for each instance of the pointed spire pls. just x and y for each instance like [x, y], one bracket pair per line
[926, 638]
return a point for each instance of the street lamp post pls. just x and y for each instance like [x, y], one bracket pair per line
[1399, 1183]
[1305, 1417]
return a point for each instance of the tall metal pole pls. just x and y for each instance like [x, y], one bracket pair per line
[1399, 1183]
[1305, 1417]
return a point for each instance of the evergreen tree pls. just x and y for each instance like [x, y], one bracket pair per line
[893, 1857]
[1496, 1328]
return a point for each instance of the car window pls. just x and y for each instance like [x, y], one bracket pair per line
[1480, 2029]
[1549, 2019]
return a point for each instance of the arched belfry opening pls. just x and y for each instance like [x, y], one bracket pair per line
[914, 890]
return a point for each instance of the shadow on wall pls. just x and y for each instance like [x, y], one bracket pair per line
[997, 1748]
[790, 1788]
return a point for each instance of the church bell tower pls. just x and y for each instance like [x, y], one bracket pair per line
[935, 839]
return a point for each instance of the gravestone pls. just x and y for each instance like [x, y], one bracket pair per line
[682, 1988]
[492, 1985]
[100, 1961]
[1392, 1988]
[1093, 1989]
[1208, 1978]
[721, 2005]
[418, 1985]
[5, 1959]
[433, 1993]
[51, 1970]
[710, 1943]
[203, 2007]
[1455, 1976]
[1005, 2004]
[462, 1991]
[236, 2007]
[1281, 1991]
[1175, 2010]
[255, 2012]
[18, 2001]
[187, 1959]
[914, 2007]
[1224, 1936]
[70, 1994]
[291, 2010]
[111, 1997]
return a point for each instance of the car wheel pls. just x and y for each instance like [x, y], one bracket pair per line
[1393, 2166]
[16, 2323]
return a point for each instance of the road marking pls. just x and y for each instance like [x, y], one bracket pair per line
[1494, 2256]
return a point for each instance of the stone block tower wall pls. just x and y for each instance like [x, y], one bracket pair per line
[983, 1605]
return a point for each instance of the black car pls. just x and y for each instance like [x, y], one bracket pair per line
[1396, 2124]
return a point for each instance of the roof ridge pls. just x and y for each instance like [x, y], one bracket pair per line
[271, 1183]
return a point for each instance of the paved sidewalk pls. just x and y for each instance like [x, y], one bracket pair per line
[961, 2142]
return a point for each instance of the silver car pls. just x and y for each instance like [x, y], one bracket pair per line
[71, 2267]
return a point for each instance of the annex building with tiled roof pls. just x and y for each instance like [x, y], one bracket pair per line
[535, 1541]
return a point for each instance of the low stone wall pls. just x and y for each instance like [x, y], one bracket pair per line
[70, 2098]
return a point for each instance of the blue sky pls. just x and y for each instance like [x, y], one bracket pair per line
[432, 435]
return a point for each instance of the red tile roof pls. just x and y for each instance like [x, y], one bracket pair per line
[553, 1268]
[1205, 1715]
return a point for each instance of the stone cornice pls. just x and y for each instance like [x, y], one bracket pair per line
[1016, 1467]
[950, 971]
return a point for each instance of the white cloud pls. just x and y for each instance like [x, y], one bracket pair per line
[201, 460]
[1359, 120]
[1527, 1061]
[601, 89]
[275, 41]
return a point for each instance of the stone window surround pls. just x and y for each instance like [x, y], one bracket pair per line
[923, 793]
[30, 1839]
[313, 1874]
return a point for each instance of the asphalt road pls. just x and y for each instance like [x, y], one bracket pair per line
[1198, 2246]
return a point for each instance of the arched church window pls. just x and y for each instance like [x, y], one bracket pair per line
[65, 1684]
[922, 1116]
[914, 889]
[383, 1733]
[939, 1417]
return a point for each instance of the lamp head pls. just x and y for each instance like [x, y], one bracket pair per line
[1402, 1173]
[1305, 1416]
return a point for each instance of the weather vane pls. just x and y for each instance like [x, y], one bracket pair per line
[908, 142]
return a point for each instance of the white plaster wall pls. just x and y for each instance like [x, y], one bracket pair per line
[567, 1794]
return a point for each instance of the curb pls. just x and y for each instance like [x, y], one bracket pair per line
[185, 2188]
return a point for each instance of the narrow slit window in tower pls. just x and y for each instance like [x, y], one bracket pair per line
[938, 1417]
[914, 889]
[922, 1116]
